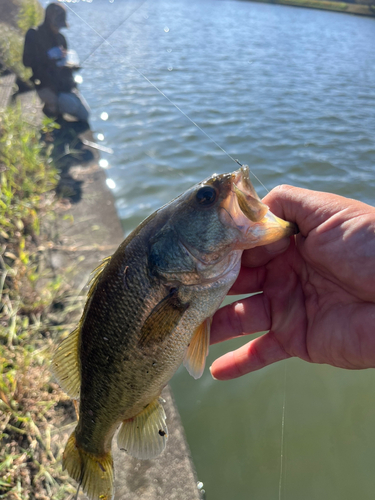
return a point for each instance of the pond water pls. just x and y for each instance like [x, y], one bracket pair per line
[291, 93]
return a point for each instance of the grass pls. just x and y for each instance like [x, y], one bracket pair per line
[324, 4]
[11, 50]
[30, 14]
[335, 5]
[35, 309]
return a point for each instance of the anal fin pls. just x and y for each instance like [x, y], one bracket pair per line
[145, 435]
[195, 357]
[65, 364]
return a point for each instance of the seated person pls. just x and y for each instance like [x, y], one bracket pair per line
[45, 53]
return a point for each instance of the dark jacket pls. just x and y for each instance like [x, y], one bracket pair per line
[45, 71]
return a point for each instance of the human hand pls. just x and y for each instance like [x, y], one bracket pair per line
[318, 299]
[56, 53]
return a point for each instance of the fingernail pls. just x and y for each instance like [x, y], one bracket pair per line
[211, 373]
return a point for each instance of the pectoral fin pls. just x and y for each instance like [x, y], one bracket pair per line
[145, 435]
[163, 319]
[195, 357]
[65, 365]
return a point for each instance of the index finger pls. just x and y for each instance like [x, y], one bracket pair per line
[244, 317]
[248, 281]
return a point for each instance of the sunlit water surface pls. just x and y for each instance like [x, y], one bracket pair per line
[291, 92]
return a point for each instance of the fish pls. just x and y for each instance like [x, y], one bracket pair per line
[149, 308]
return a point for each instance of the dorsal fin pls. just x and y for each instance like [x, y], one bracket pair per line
[65, 361]
[65, 364]
[95, 275]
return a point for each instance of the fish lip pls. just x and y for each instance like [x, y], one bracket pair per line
[241, 178]
[243, 173]
[241, 187]
[249, 215]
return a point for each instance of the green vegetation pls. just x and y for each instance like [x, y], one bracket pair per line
[11, 50]
[363, 9]
[12, 39]
[321, 4]
[30, 15]
[34, 307]
[26, 177]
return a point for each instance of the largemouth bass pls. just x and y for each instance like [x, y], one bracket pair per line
[149, 309]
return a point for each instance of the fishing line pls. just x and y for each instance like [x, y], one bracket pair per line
[282, 477]
[105, 40]
[257, 178]
[282, 451]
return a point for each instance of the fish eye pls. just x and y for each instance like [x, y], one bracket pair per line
[206, 196]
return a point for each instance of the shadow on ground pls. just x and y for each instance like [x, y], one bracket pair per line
[69, 149]
[71, 142]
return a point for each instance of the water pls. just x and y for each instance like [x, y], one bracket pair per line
[291, 92]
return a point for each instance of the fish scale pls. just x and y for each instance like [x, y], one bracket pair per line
[149, 308]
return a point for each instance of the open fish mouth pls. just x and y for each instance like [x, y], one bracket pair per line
[247, 198]
[250, 215]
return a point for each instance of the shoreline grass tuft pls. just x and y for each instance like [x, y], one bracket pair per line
[35, 310]
[12, 35]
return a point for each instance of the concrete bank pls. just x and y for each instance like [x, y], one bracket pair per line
[6, 88]
[88, 231]
[348, 8]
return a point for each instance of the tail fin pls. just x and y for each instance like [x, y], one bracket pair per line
[94, 473]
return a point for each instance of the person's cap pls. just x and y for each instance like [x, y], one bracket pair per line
[56, 15]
